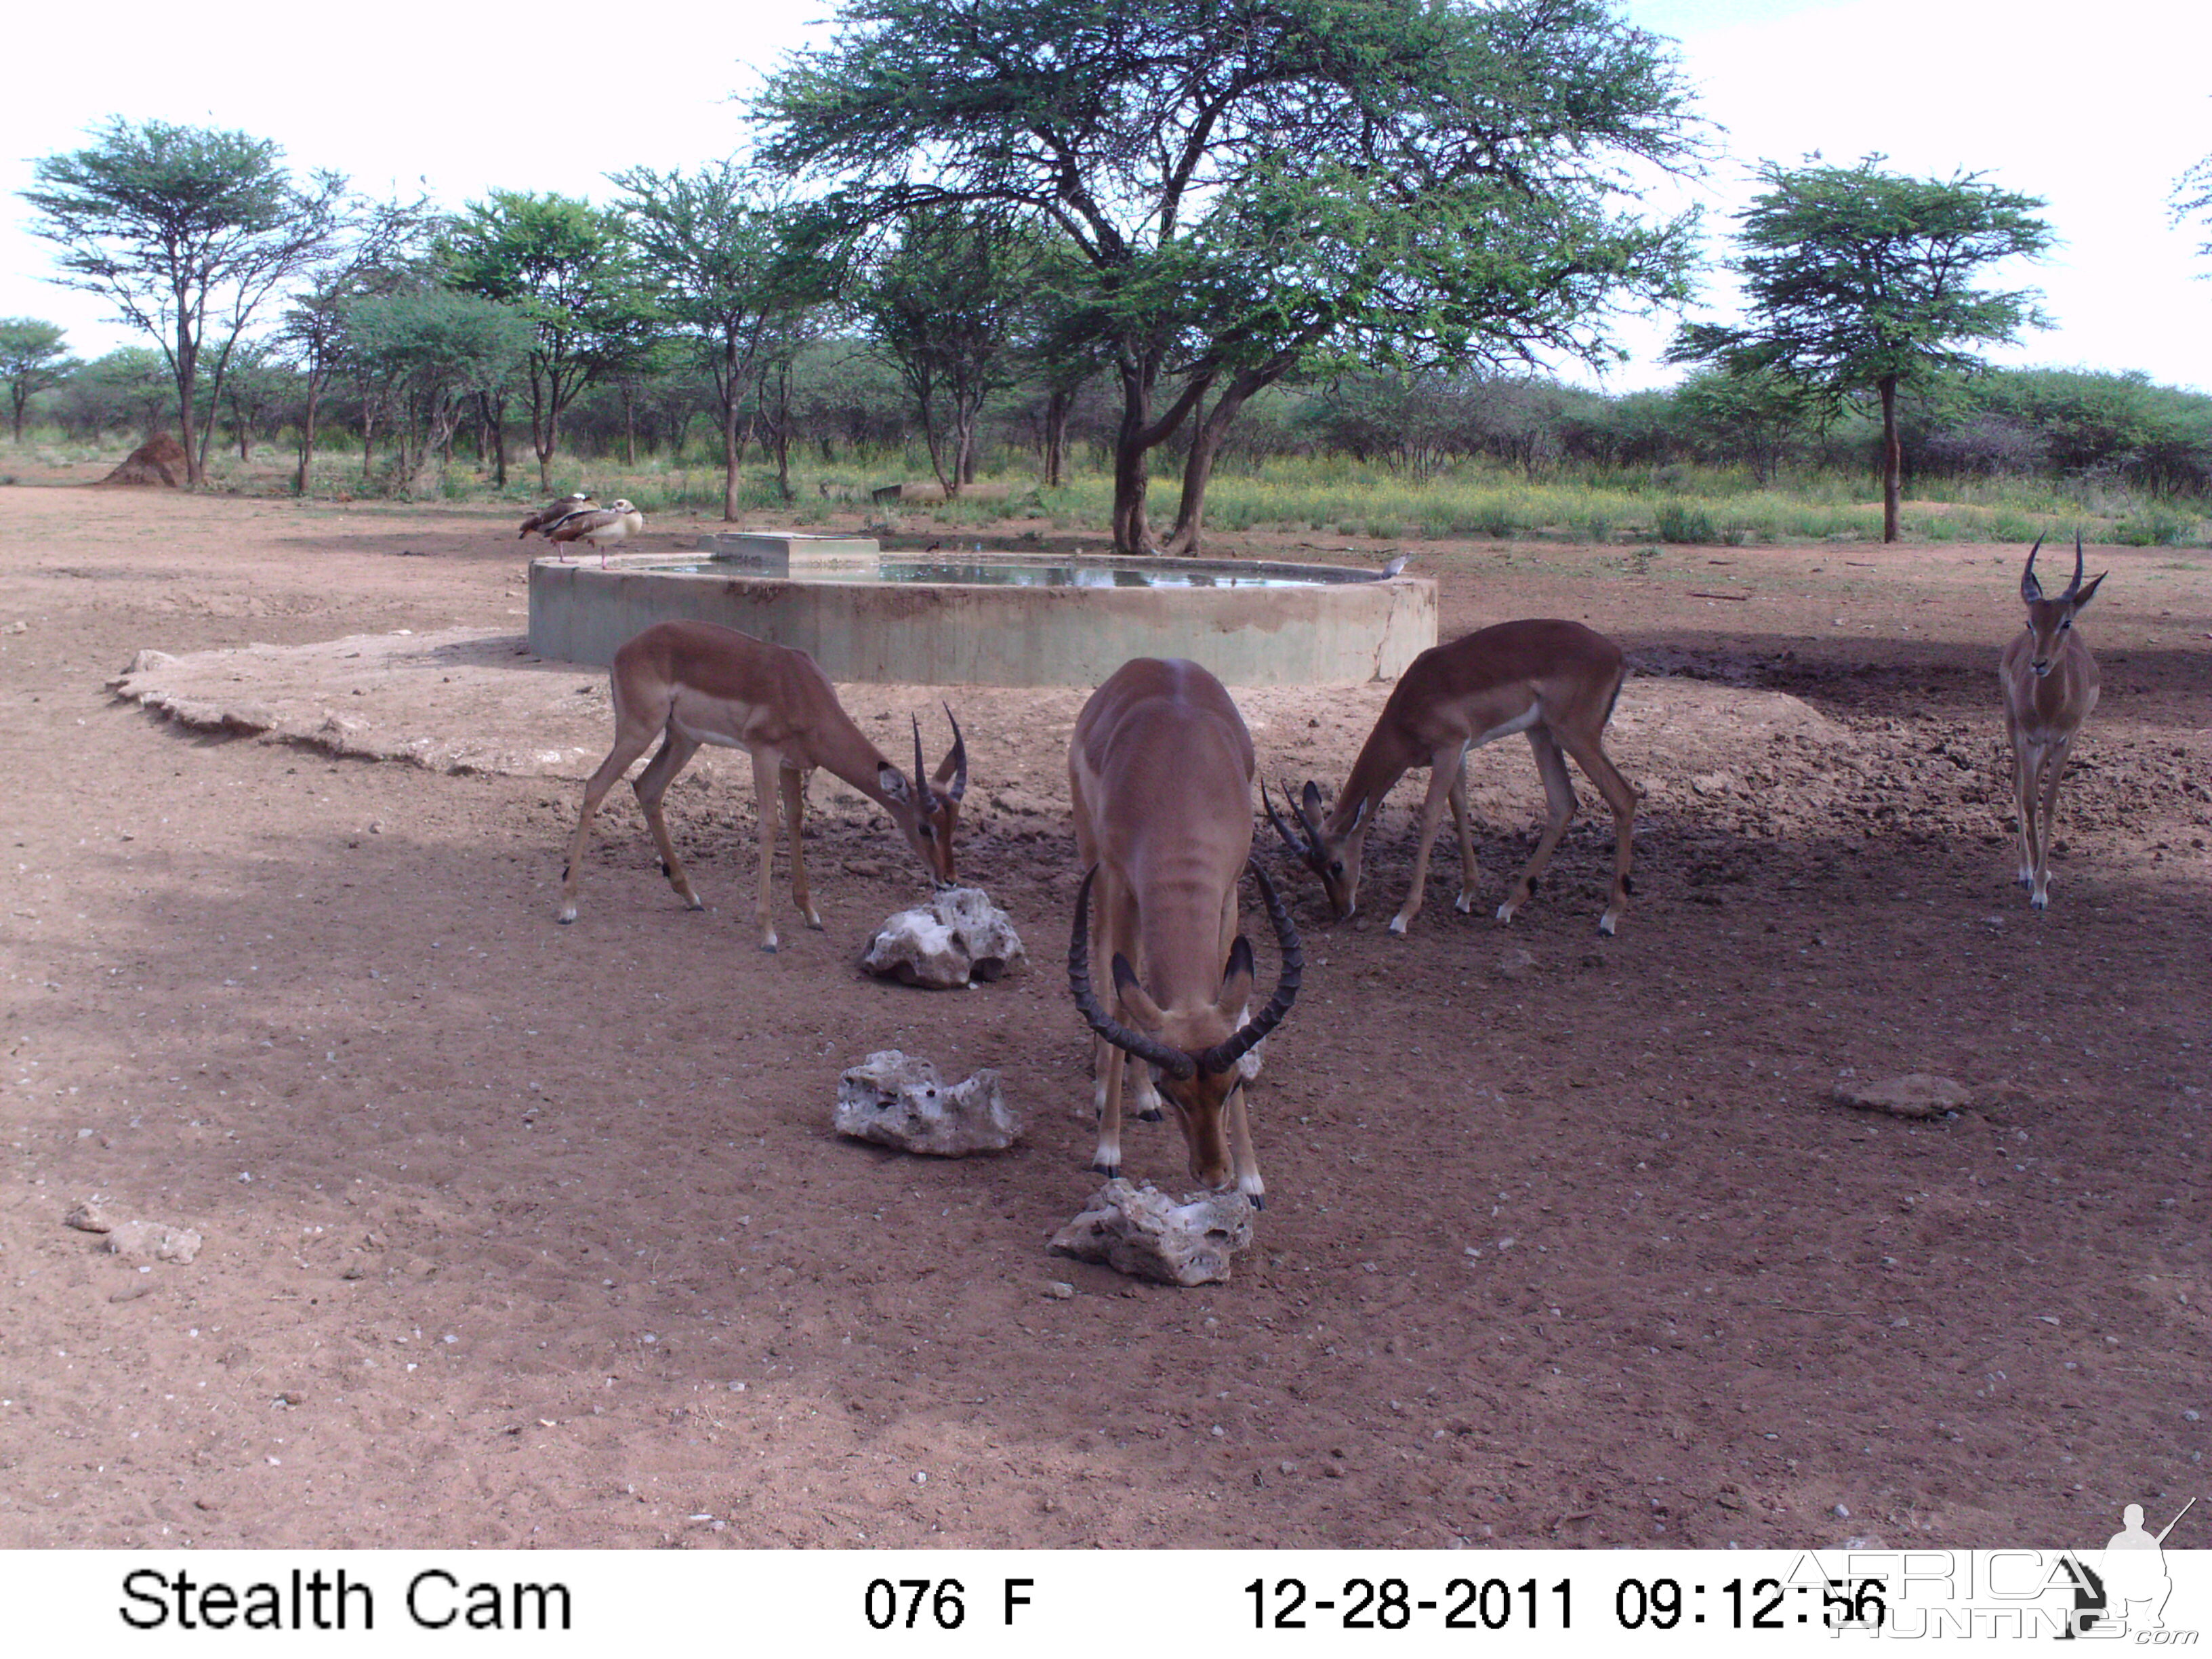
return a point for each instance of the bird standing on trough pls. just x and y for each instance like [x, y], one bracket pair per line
[1397, 566]
[601, 527]
[546, 517]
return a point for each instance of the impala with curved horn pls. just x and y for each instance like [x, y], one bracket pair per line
[1160, 770]
[691, 682]
[2050, 686]
[1557, 681]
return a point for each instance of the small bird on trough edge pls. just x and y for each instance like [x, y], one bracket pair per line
[1397, 566]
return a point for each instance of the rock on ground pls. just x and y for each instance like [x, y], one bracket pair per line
[958, 939]
[896, 1099]
[1919, 1094]
[151, 1238]
[1142, 1232]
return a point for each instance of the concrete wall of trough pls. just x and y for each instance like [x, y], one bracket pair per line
[918, 633]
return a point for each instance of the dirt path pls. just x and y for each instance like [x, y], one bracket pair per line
[521, 1234]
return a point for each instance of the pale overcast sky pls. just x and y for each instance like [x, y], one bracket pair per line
[2098, 109]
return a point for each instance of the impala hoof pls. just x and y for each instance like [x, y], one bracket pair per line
[769, 946]
[566, 916]
[1464, 904]
[1109, 1171]
[1505, 911]
[1154, 1114]
[814, 921]
[1398, 926]
[1605, 924]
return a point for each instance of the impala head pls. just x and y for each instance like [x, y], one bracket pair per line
[927, 811]
[1335, 858]
[1193, 1051]
[2051, 620]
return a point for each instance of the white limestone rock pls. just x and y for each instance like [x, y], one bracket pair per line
[959, 939]
[1142, 1232]
[896, 1099]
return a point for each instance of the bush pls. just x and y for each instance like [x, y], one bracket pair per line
[1679, 521]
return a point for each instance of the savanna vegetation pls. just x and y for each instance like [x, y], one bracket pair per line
[1063, 294]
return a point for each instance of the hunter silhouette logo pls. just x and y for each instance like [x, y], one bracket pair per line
[2135, 1582]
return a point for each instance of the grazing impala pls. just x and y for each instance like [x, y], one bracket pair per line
[1556, 681]
[1160, 771]
[2050, 686]
[689, 682]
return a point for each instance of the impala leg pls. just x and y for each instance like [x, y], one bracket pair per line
[1559, 798]
[651, 785]
[1242, 1158]
[1112, 1063]
[794, 817]
[2053, 768]
[1619, 795]
[629, 743]
[765, 794]
[2026, 768]
[1470, 873]
[1444, 768]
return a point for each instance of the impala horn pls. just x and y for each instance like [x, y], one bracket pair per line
[1303, 850]
[2075, 587]
[1223, 1055]
[1173, 1062]
[2030, 590]
[959, 757]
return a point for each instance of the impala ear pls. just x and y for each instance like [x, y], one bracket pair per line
[1358, 817]
[1309, 801]
[2081, 599]
[893, 783]
[1138, 1000]
[1236, 980]
[955, 763]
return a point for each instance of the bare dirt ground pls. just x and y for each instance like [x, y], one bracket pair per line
[518, 1234]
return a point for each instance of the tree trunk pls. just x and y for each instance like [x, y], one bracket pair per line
[732, 456]
[1057, 408]
[20, 398]
[187, 367]
[303, 480]
[629, 427]
[1131, 535]
[1892, 457]
[1198, 466]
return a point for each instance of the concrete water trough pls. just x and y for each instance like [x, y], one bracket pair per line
[995, 618]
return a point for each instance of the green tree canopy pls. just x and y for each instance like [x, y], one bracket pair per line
[1858, 280]
[435, 350]
[721, 245]
[952, 301]
[31, 358]
[1262, 186]
[187, 231]
[572, 271]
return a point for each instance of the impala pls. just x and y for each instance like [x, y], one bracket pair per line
[2050, 686]
[690, 682]
[1557, 681]
[1160, 770]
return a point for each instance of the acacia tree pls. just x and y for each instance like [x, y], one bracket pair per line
[31, 358]
[2192, 199]
[571, 270]
[718, 243]
[380, 250]
[950, 302]
[187, 231]
[1858, 280]
[1255, 187]
[432, 350]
